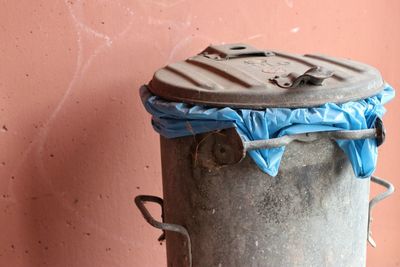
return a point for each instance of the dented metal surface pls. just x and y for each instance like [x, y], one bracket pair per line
[238, 75]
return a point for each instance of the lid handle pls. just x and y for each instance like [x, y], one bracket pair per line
[228, 51]
[314, 76]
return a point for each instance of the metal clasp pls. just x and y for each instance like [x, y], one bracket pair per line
[314, 76]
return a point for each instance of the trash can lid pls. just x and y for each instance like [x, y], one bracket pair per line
[241, 76]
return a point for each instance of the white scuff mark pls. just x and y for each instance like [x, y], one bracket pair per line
[127, 9]
[186, 41]
[289, 3]
[213, 211]
[256, 243]
[255, 36]
[295, 30]
[169, 22]
[177, 47]
[42, 133]
[154, 21]
[80, 70]
[166, 3]
[41, 136]
[100, 48]
[75, 76]
[86, 28]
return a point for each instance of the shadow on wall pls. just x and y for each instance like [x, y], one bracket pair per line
[71, 192]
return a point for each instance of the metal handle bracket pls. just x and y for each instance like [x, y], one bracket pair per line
[141, 199]
[376, 200]
[378, 133]
[230, 141]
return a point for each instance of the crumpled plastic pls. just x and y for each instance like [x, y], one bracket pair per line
[175, 119]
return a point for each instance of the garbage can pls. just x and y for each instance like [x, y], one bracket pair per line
[267, 157]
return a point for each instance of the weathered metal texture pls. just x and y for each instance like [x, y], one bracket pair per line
[241, 76]
[314, 213]
[219, 209]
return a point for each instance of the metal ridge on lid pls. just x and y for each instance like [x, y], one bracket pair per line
[241, 76]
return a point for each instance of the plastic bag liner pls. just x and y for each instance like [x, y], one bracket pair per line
[173, 119]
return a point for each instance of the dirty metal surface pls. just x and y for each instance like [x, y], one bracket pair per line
[314, 213]
[241, 76]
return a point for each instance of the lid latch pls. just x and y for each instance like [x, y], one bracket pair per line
[314, 76]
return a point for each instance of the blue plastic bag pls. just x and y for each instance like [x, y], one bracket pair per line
[173, 119]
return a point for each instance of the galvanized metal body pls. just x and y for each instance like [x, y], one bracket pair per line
[220, 209]
[314, 213]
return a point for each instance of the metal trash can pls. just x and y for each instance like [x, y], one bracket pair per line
[220, 209]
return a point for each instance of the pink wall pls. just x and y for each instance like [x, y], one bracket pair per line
[77, 145]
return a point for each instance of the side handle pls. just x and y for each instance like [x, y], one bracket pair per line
[390, 189]
[141, 199]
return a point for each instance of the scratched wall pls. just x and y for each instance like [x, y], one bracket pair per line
[76, 145]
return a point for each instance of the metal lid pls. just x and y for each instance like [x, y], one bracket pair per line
[241, 76]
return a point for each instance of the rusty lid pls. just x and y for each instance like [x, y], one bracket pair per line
[241, 76]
